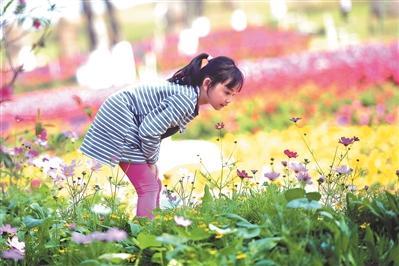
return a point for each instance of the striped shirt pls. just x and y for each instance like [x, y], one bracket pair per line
[131, 123]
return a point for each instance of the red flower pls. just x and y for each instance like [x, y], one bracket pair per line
[36, 23]
[290, 154]
[35, 183]
[242, 174]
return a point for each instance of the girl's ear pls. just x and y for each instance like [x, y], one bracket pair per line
[206, 83]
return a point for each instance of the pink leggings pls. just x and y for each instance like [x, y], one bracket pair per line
[147, 185]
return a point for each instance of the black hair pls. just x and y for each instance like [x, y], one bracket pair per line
[219, 69]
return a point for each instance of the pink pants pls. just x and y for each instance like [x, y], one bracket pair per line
[147, 185]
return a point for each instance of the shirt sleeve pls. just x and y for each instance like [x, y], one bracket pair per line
[170, 112]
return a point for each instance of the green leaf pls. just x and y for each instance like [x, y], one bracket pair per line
[5, 158]
[146, 240]
[207, 198]
[294, 193]
[90, 262]
[313, 196]
[394, 255]
[134, 228]
[248, 233]
[326, 214]
[30, 222]
[304, 204]
[264, 244]
[198, 234]
[242, 221]
[171, 239]
[265, 263]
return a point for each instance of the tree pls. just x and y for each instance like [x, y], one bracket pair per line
[13, 15]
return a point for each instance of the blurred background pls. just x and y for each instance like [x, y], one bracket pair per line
[332, 61]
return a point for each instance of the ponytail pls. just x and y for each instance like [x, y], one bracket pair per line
[220, 69]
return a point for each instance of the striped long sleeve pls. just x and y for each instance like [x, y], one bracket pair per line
[171, 112]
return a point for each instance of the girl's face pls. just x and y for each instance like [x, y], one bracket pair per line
[219, 96]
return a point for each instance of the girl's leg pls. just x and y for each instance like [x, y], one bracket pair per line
[147, 186]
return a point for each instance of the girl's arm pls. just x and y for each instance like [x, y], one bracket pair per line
[169, 113]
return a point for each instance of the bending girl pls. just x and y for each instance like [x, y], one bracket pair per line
[130, 124]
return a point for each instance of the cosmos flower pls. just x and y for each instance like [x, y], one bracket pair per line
[346, 141]
[343, 170]
[101, 209]
[290, 154]
[7, 228]
[242, 174]
[272, 175]
[182, 221]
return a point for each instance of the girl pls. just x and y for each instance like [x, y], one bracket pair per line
[131, 123]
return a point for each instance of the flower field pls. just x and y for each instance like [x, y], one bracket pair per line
[308, 171]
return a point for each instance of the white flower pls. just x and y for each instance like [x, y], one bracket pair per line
[15, 243]
[182, 221]
[101, 209]
[220, 230]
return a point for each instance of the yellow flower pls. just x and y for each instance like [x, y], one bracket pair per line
[62, 250]
[364, 225]
[212, 251]
[218, 235]
[241, 256]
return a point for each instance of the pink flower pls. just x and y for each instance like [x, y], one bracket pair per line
[343, 170]
[290, 154]
[94, 165]
[297, 167]
[346, 141]
[80, 238]
[32, 154]
[41, 138]
[68, 170]
[272, 175]
[115, 234]
[7, 228]
[12, 254]
[35, 183]
[18, 151]
[5, 93]
[242, 174]
[304, 177]
[18, 118]
[36, 23]
[219, 126]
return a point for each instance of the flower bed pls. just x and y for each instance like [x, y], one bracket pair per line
[353, 67]
[65, 217]
[254, 42]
